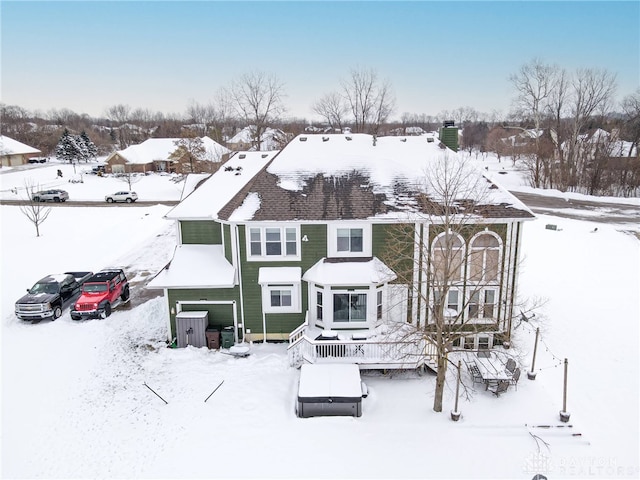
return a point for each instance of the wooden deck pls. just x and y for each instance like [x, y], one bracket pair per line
[373, 354]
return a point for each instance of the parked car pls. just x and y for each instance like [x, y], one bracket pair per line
[103, 291]
[50, 295]
[51, 196]
[124, 196]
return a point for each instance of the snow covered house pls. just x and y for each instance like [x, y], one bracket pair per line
[293, 246]
[163, 155]
[14, 153]
[271, 139]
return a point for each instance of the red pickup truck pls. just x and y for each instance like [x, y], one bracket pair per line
[101, 293]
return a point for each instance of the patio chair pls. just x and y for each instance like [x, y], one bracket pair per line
[503, 386]
[476, 376]
[510, 366]
[515, 377]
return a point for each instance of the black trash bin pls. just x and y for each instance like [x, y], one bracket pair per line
[227, 337]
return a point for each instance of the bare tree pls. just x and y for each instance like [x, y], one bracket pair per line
[535, 84]
[129, 178]
[369, 99]
[257, 98]
[451, 264]
[36, 212]
[121, 114]
[193, 149]
[631, 126]
[333, 109]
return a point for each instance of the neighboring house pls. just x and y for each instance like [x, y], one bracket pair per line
[14, 153]
[271, 139]
[297, 248]
[162, 155]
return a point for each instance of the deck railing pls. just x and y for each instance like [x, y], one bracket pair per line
[371, 354]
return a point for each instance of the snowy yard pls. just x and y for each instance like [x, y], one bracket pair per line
[75, 404]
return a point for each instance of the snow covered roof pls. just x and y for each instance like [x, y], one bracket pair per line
[349, 271]
[196, 266]
[355, 176]
[162, 149]
[279, 275]
[268, 139]
[205, 202]
[9, 146]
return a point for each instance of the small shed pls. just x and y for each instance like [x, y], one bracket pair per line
[329, 390]
[191, 328]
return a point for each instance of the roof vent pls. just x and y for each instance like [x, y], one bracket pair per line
[264, 155]
[325, 139]
[303, 139]
[429, 139]
[242, 155]
[403, 139]
[349, 138]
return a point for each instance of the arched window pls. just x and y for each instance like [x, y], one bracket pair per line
[484, 259]
[447, 258]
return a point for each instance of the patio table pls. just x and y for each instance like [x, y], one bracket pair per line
[491, 369]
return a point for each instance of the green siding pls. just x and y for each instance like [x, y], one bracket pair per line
[228, 247]
[283, 323]
[449, 136]
[394, 245]
[313, 250]
[201, 232]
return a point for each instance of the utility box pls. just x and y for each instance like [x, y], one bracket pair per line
[213, 338]
[190, 328]
[227, 337]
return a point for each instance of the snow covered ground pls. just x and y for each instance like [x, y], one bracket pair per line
[76, 398]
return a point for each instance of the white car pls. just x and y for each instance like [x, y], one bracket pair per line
[124, 196]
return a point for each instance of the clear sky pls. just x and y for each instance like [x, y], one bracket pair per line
[437, 55]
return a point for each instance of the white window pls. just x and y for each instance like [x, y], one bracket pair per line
[484, 259]
[281, 298]
[319, 302]
[349, 307]
[453, 299]
[273, 242]
[482, 303]
[447, 258]
[349, 240]
[280, 289]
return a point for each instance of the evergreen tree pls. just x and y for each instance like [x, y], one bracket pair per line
[90, 149]
[67, 148]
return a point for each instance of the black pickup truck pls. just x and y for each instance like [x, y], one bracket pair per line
[50, 295]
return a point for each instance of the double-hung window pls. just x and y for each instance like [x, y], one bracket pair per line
[273, 242]
[349, 240]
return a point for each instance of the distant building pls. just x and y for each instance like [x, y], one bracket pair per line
[162, 155]
[14, 153]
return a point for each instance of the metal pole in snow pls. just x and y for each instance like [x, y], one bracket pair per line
[532, 375]
[166, 403]
[458, 386]
[214, 391]
[564, 415]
